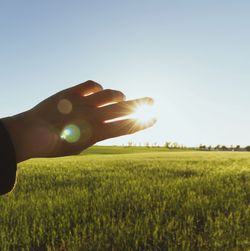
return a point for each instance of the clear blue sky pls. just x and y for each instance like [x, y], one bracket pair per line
[193, 57]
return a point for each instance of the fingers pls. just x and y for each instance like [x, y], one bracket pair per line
[104, 97]
[85, 88]
[124, 127]
[121, 109]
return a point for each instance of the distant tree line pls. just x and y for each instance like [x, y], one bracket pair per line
[202, 147]
[231, 148]
[168, 144]
[145, 144]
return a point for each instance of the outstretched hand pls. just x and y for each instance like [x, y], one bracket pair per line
[72, 120]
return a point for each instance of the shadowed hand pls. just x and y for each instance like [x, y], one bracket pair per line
[72, 120]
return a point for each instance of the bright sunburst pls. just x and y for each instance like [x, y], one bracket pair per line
[144, 114]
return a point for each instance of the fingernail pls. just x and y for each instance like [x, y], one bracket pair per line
[149, 100]
[122, 95]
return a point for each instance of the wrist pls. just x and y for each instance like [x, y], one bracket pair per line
[18, 130]
[32, 136]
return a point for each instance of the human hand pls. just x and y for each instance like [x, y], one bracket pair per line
[72, 120]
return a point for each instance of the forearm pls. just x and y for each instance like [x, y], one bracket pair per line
[18, 127]
[7, 161]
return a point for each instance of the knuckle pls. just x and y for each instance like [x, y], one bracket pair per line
[122, 95]
[90, 81]
[93, 83]
[114, 93]
[109, 92]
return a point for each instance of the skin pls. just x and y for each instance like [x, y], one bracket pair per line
[38, 132]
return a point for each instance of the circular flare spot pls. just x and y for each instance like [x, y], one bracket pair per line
[64, 106]
[71, 133]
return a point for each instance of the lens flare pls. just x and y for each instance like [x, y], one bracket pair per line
[71, 133]
[144, 114]
[64, 106]
[141, 113]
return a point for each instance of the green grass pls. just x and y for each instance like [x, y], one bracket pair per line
[133, 201]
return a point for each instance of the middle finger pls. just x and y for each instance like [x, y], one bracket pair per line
[104, 97]
[121, 109]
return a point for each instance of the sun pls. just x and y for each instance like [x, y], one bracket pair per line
[141, 112]
[144, 114]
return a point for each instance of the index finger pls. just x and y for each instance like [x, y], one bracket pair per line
[124, 127]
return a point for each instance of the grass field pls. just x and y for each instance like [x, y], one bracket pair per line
[143, 199]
